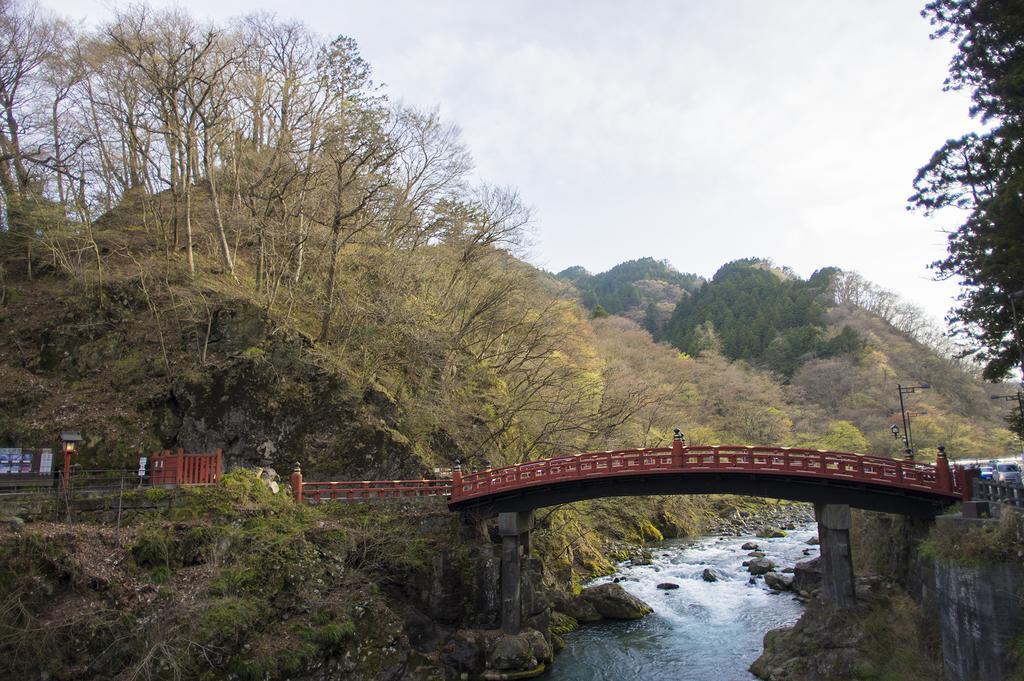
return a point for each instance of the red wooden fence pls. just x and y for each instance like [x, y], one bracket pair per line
[180, 468]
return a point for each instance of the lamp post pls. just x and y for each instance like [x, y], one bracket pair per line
[908, 437]
[69, 440]
[1020, 405]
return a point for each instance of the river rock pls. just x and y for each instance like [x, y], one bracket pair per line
[769, 532]
[760, 566]
[788, 571]
[668, 586]
[813, 541]
[464, 652]
[641, 560]
[613, 602]
[778, 582]
[711, 575]
[524, 651]
[825, 643]
[756, 554]
[807, 575]
[575, 607]
[749, 546]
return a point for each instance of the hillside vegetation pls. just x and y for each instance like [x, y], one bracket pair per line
[644, 290]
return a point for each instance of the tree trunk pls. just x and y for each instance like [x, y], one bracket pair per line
[221, 234]
[332, 272]
[187, 175]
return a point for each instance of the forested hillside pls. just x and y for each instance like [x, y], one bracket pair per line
[836, 346]
[644, 290]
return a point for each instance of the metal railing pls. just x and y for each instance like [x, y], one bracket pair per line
[1003, 492]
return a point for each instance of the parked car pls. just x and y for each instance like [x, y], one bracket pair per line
[986, 472]
[1007, 472]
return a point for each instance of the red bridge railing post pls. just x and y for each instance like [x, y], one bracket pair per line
[297, 482]
[678, 445]
[456, 479]
[943, 476]
[179, 467]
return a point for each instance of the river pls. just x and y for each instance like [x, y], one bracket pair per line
[701, 631]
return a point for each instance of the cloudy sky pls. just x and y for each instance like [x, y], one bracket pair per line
[696, 131]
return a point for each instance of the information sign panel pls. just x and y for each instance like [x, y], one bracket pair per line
[46, 461]
[10, 460]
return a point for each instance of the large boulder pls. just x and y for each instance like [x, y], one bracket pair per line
[525, 651]
[464, 652]
[807, 575]
[778, 582]
[613, 602]
[760, 566]
[575, 607]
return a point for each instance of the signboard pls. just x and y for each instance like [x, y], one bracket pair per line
[142, 466]
[46, 461]
[10, 460]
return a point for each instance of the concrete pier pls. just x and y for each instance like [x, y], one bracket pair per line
[837, 581]
[514, 529]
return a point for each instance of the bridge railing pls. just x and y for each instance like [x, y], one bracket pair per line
[1003, 492]
[766, 460]
[317, 492]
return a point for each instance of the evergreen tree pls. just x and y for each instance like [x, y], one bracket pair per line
[983, 173]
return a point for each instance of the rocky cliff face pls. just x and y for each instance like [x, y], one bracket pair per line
[980, 616]
[229, 377]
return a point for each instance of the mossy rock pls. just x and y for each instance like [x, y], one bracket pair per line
[769, 532]
[562, 624]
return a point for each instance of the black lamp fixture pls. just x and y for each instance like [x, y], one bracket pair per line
[908, 437]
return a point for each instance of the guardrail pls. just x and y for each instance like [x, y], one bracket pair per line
[1002, 492]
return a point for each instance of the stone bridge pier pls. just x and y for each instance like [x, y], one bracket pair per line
[514, 529]
[838, 588]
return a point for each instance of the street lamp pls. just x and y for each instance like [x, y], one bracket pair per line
[1020, 405]
[908, 437]
[69, 440]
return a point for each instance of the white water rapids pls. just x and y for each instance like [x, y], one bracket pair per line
[702, 631]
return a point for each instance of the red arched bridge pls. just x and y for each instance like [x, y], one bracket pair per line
[810, 475]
